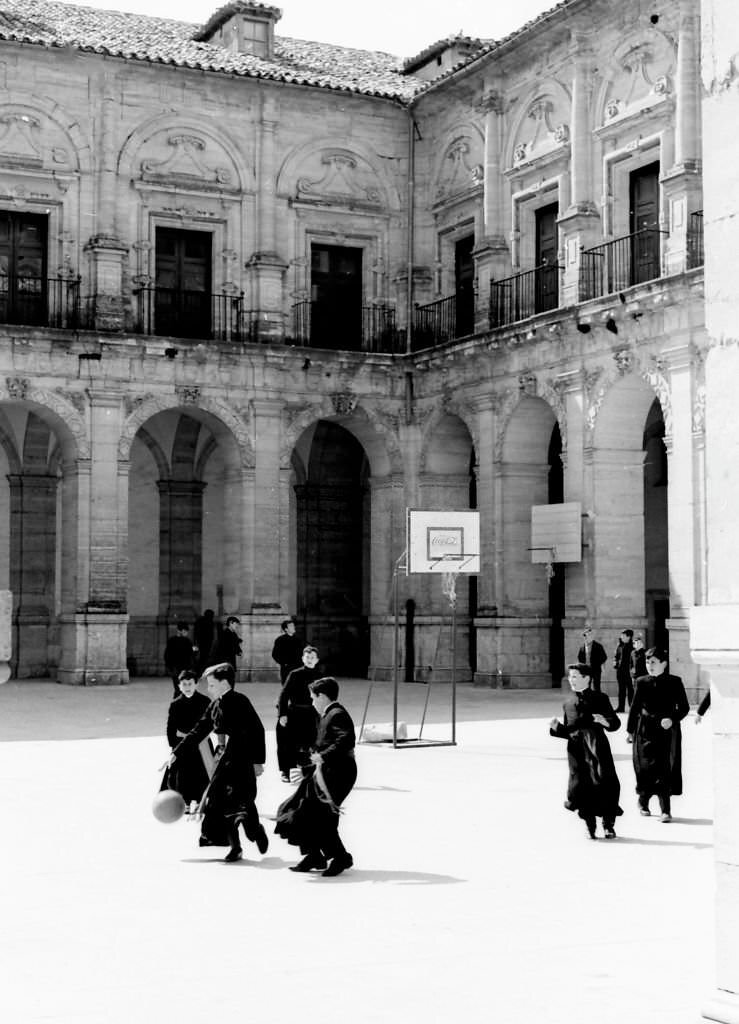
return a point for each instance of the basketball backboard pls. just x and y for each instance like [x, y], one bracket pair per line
[442, 541]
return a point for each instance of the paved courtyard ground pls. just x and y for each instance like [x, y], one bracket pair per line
[475, 897]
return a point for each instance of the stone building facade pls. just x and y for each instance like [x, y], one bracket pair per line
[262, 295]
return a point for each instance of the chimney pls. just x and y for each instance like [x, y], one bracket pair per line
[242, 28]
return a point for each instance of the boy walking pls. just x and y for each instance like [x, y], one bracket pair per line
[593, 788]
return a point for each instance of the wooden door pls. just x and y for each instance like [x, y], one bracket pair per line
[336, 297]
[546, 288]
[644, 223]
[464, 286]
[23, 284]
[183, 275]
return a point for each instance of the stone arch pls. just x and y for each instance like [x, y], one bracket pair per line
[157, 453]
[448, 408]
[628, 378]
[7, 440]
[60, 413]
[527, 430]
[364, 181]
[31, 105]
[459, 169]
[225, 424]
[548, 104]
[374, 430]
[182, 126]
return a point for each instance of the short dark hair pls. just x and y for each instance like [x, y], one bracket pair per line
[285, 623]
[308, 649]
[628, 632]
[187, 673]
[226, 672]
[657, 652]
[584, 670]
[233, 618]
[326, 685]
[183, 625]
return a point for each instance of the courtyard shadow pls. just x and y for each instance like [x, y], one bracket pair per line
[270, 863]
[635, 841]
[396, 877]
[380, 789]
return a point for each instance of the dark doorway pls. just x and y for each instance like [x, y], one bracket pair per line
[546, 295]
[644, 223]
[656, 552]
[23, 285]
[183, 281]
[333, 550]
[336, 297]
[464, 286]
[557, 581]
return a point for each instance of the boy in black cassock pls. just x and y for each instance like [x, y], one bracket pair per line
[189, 776]
[297, 721]
[229, 801]
[287, 649]
[660, 703]
[178, 655]
[593, 789]
[310, 817]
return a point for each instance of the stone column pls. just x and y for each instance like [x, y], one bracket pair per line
[180, 550]
[579, 222]
[387, 533]
[266, 266]
[492, 258]
[681, 517]
[571, 387]
[107, 253]
[32, 554]
[6, 633]
[487, 610]
[682, 182]
[713, 631]
[266, 610]
[95, 554]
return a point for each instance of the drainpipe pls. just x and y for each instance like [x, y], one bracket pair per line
[411, 190]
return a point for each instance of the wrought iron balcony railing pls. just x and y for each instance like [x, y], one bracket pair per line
[40, 301]
[524, 295]
[622, 263]
[443, 320]
[695, 240]
[366, 329]
[175, 312]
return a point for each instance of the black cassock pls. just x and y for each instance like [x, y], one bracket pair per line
[233, 788]
[657, 752]
[593, 788]
[307, 818]
[297, 737]
[188, 774]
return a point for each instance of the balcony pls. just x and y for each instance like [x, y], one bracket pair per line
[695, 240]
[620, 264]
[174, 312]
[373, 329]
[443, 320]
[524, 295]
[40, 301]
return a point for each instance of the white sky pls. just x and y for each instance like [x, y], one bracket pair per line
[402, 27]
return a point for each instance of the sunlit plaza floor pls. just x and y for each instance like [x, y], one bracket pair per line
[475, 897]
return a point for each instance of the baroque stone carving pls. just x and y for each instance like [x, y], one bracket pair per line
[19, 142]
[527, 383]
[17, 387]
[519, 153]
[459, 171]
[699, 410]
[188, 394]
[185, 163]
[344, 403]
[342, 181]
[624, 360]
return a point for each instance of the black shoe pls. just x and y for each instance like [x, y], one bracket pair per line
[337, 865]
[590, 825]
[204, 841]
[609, 832]
[261, 840]
[233, 855]
[311, 862]
[284, 777]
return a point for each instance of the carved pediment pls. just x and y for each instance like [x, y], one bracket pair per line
[28, 139]
[544, 130]
[341, 177]
[641, 77]
[461, 170]
[187, 160]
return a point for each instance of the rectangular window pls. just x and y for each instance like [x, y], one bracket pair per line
[182, 294]
[464, 282]
[336, 297]
[23, 268]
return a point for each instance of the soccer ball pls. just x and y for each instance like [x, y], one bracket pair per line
[168, 806]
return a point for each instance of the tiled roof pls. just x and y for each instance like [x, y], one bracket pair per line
[429, 52]
[162, 40]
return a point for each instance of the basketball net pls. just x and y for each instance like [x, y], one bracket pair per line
[449, 586]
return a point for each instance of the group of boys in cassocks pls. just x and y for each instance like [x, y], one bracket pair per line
[318, 746]
[657, 706]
